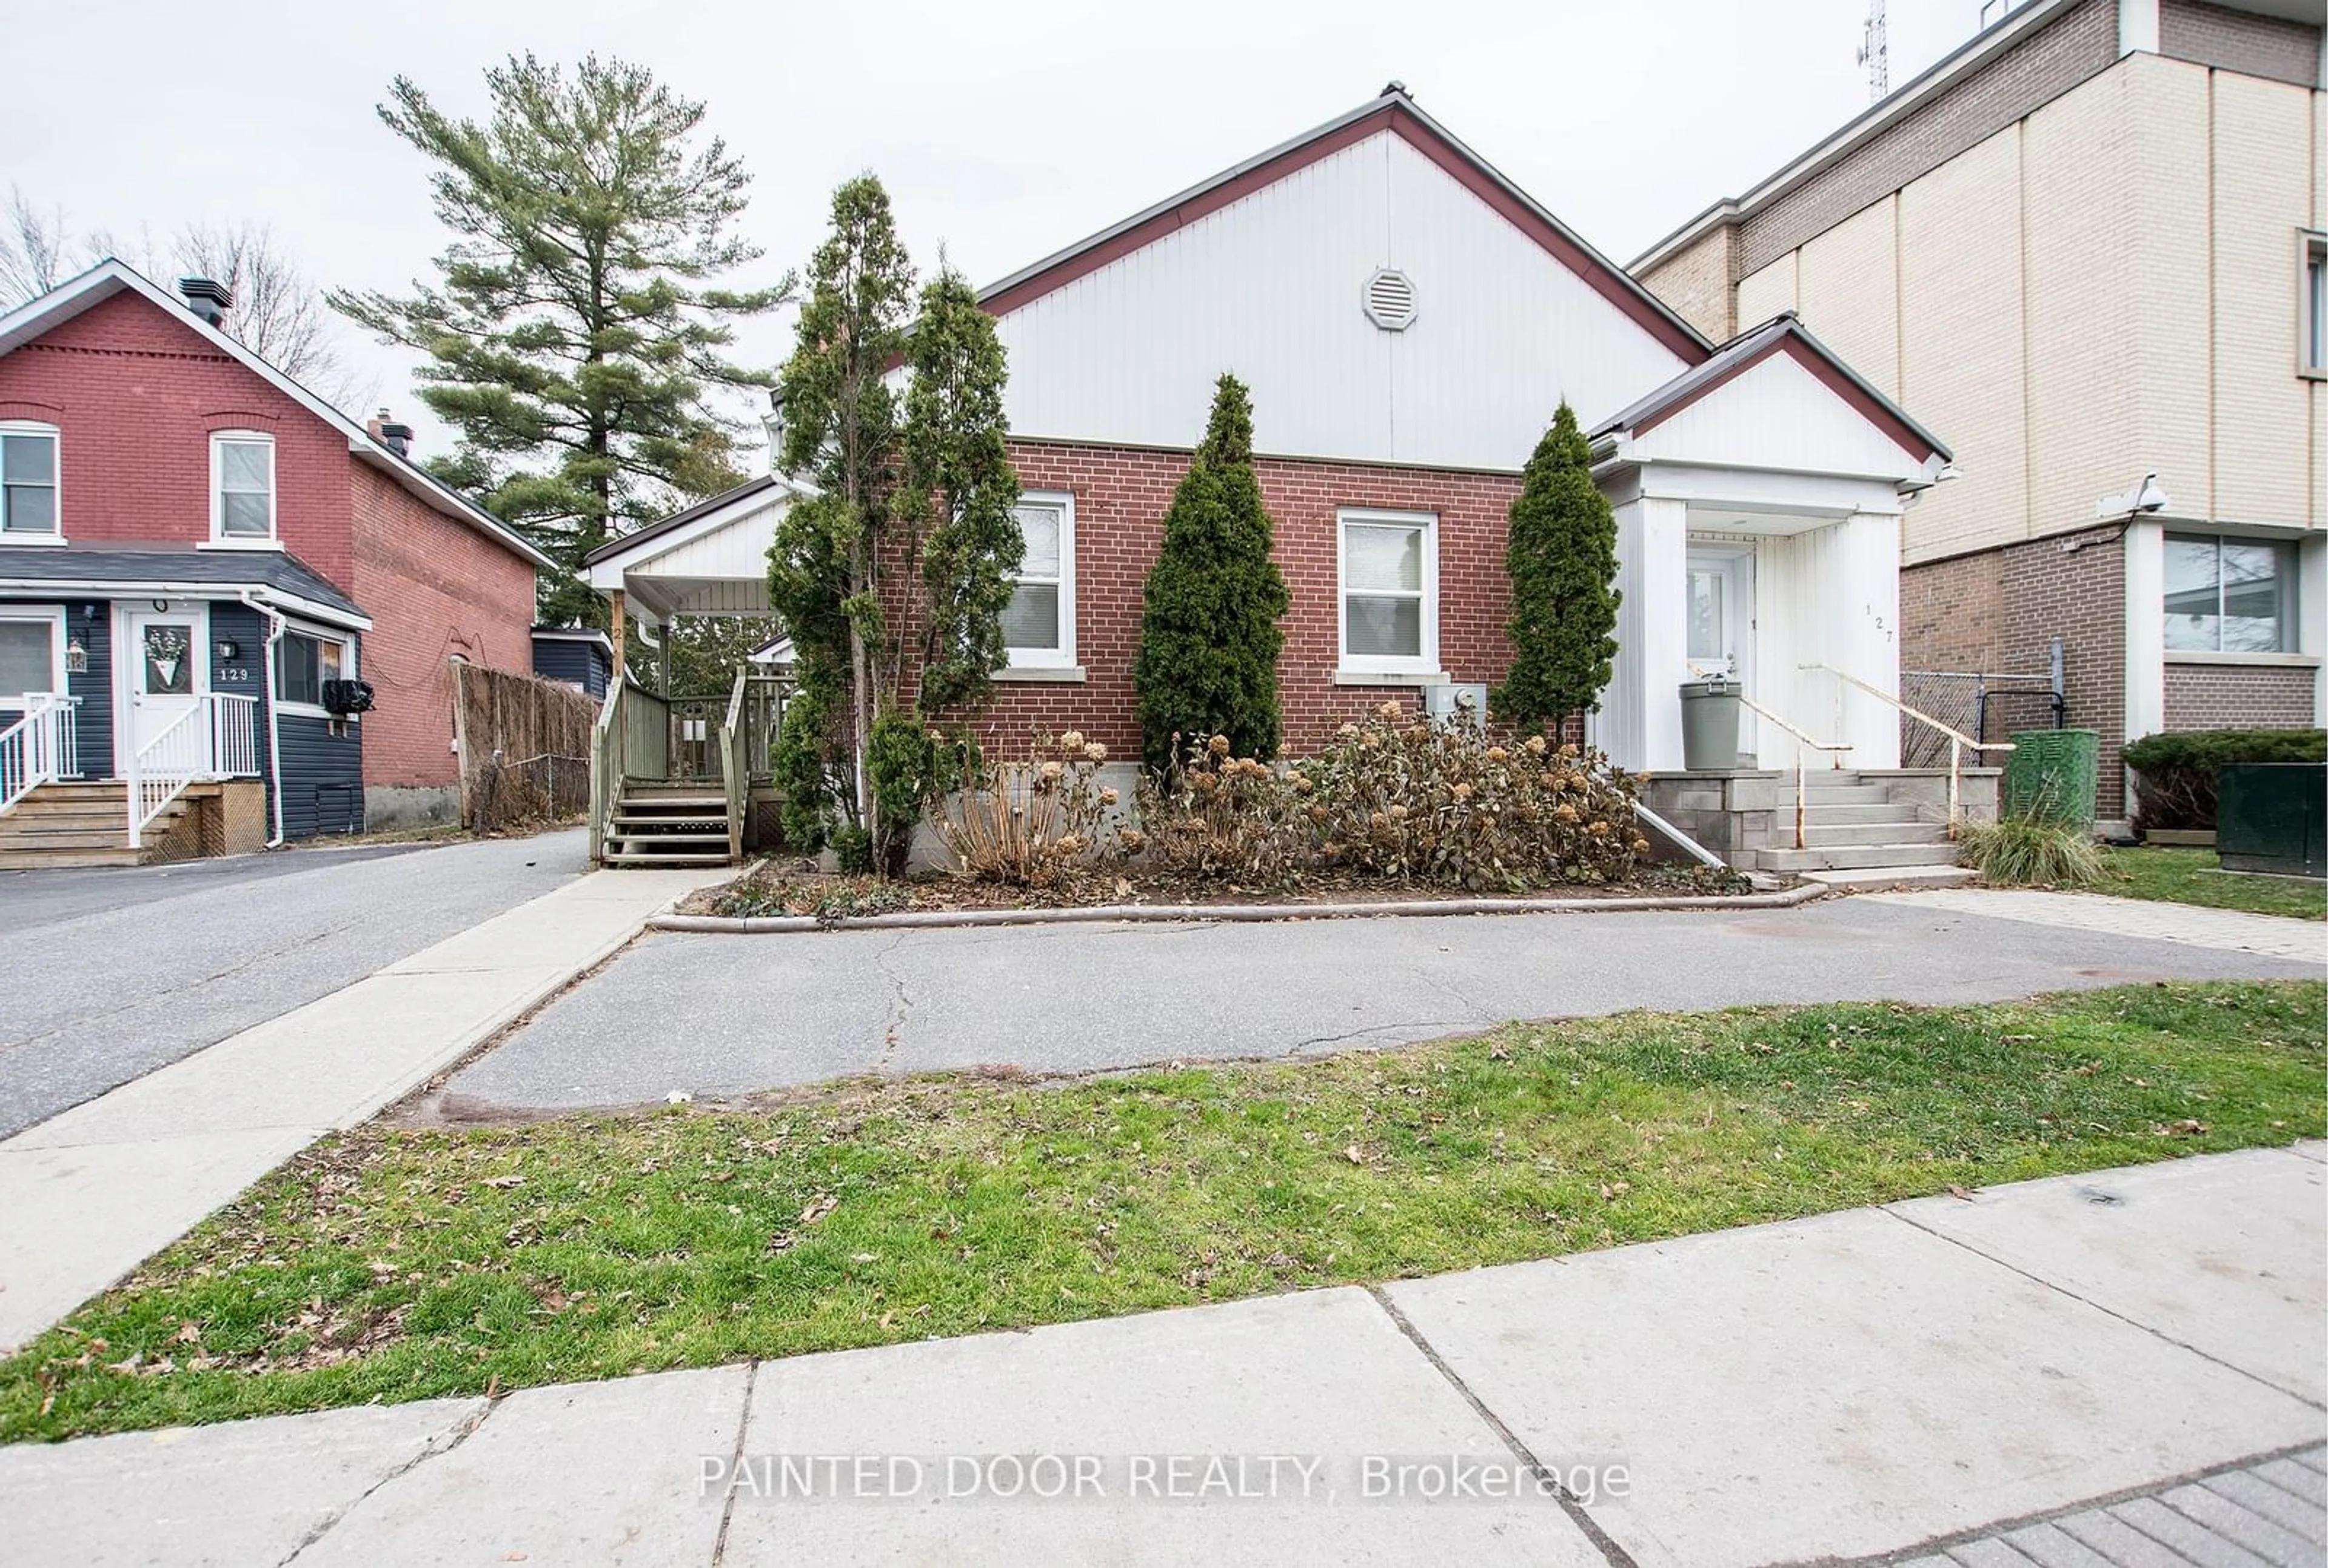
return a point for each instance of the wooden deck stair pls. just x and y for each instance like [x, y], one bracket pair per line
[76, 824]
[669, 822]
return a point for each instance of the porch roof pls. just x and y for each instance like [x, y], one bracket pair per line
[711, 559]
[177, 571]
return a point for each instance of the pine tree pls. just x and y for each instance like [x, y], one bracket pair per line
[1561, 553]
[575, 336]
[1208, 636]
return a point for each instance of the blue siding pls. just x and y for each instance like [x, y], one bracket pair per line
[578, 663]
[322, 773]
[93, 721]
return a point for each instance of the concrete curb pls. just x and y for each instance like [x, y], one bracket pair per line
[940, 919]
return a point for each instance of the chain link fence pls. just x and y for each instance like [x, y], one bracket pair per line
[1987, 706]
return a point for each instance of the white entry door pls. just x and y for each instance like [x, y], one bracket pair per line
[165, 658]
[1720, 609]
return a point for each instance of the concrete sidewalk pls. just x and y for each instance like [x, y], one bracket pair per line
[2079, 1371]
[87, 1195]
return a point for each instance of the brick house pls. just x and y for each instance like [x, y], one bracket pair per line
[2092, 243]
[205, 571]
[1408, 320]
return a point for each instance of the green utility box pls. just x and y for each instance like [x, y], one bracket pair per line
[2053, 774]
[2273, 816]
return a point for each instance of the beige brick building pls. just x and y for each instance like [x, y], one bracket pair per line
[2089, 246]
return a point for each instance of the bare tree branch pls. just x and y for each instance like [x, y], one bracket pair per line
[278, 314]
[33, 249]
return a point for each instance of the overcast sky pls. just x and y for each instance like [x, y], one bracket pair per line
[1004, 130]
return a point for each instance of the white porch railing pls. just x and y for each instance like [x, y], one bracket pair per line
[1957, 740]
[38, 748]
[1802, 786]
[217, 736]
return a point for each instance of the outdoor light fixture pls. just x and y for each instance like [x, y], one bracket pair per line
[229, 649]
[76, 658]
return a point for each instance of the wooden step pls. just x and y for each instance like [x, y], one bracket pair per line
[12, 859]
[630, 857]
[719, 838]
[716, 804]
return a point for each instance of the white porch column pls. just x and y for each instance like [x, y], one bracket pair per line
[1869, 637]
[2312, 599]
[2144, 554]
[1640, 718]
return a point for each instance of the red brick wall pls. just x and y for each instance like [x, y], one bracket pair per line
[2238, 697]
[433, 587]
[134, 395]
[1121, 496]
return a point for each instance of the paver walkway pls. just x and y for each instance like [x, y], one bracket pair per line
[87, 1195]
[2236, 930]
[2273, 1512]
[1929, 1379]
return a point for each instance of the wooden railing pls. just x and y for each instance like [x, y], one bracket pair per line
[217, 736]
[38, 748]
[1957, 740]
[735, 775]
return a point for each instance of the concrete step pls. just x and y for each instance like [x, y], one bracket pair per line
[1818, 793]
[1854, 857]
[1824, 834]
[1820, 813]
[1893, 876]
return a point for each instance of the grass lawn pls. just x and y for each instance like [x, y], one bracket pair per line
[397, 1264]
[2196, 877]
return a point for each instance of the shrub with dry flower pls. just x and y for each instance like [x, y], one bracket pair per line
[1037, 823]
[1396, 797]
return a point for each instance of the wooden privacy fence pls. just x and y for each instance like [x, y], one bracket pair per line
[524, 745]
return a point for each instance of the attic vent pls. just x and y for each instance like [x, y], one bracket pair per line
[1390, 300]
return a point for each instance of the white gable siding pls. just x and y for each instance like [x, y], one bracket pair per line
[1269, 288]
[1778, 415]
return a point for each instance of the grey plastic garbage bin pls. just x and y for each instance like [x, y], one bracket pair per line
[1709, 725]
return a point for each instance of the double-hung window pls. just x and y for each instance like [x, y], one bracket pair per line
[1390, 592]
[243, 487]
[303, 662]
[32, 656]
[28, 484]
[1038, 627]
[2230, 595]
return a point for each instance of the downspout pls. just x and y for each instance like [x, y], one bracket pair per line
[274, 730]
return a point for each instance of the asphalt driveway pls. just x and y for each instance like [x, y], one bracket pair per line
[105, 975]
[720, 1015]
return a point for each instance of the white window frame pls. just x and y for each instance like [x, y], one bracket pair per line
[57, 447]
[1426, 662]
[2312, 304]
[1061, 657]
[222, 540]
[347, 646]
[53, 616]
[2291, 557]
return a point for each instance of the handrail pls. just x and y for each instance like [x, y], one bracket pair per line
[234, 735]
[41, 747]
[1802, 788]
[161, 769]
[1957, 740]
[731, 766]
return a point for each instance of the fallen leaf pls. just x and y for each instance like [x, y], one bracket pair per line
[1960, 1192]
[1355, 1155]
[822, 1204]
[781, 1242]
[188, 1332]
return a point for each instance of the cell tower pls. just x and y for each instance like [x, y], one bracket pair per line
[1875, 52]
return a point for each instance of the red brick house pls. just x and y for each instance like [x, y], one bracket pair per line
[1407, 320]
[205, 569]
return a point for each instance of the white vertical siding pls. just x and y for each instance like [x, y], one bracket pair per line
[1639, 724]
[1828, 596]
[1269, 288]
[1778, 415]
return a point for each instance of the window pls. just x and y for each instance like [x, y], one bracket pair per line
[1390, 592]
[32, 654]
[2315, 305]
[303, 662]
[2230, 595]
[242, 487]
[1038, 627]
[28, 483]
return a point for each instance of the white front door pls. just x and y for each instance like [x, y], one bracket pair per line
[1720, 608]
[165, 658]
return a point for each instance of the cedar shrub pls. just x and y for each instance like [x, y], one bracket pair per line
[1561, 553]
